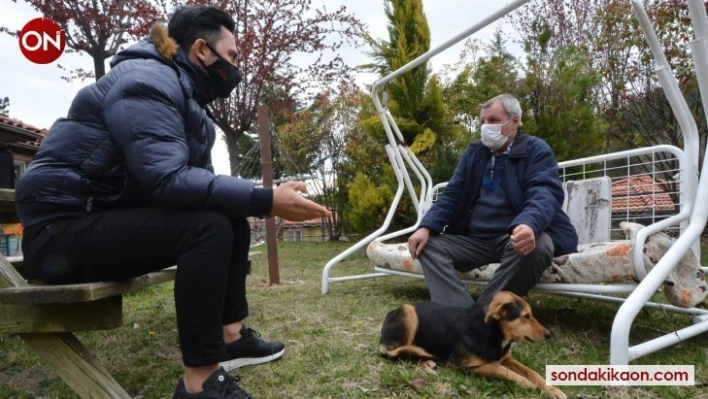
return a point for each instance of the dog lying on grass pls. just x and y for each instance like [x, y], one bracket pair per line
[478, 338]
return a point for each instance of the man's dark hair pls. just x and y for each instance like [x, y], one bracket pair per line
[198, 22]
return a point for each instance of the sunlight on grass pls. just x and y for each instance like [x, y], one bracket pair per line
[331, 341]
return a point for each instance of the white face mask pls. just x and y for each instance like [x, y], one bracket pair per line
[492, 136]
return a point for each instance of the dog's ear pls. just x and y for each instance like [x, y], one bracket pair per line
[502, 310]
[494, 311]
[503, 304]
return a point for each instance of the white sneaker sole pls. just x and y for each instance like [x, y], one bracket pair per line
[249, 361]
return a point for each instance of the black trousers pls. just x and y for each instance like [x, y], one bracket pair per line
[209, 249]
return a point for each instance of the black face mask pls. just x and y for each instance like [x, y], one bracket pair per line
[223, 77]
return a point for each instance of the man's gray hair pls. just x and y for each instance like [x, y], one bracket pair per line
[510, 103]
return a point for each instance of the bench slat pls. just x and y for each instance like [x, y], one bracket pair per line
[104, 314]
[84, 292]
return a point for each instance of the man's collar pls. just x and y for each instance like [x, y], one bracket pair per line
[508, 148]
[506, 151]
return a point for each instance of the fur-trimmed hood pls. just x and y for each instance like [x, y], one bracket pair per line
[166, 45]
[158, 46]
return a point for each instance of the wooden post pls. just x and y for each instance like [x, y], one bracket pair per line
[267, 168]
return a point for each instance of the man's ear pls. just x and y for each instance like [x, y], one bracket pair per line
[201, 50]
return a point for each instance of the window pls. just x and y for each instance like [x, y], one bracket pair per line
[294, 235]
[19, 168]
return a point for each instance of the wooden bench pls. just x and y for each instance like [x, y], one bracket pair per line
[45, 317]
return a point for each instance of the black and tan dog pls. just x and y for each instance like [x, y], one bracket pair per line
[477, 338]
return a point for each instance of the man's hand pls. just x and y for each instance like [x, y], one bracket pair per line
[290, 205]
[523, 239]
[417, 241]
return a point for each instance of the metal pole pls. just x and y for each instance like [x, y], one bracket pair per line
[267, 168]
[678, 104]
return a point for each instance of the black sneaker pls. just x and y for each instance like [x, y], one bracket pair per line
[251, 349]
[219, 385]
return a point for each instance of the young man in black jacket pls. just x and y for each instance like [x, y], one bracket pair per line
[124, 186]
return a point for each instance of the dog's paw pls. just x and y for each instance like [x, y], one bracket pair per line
[427, 365]
[556, 393]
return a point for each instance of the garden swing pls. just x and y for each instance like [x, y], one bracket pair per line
[645, 195]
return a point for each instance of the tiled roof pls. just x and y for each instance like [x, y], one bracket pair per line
[254, 221]
[641, 194]
[288, 223]
[18, 123]
[316, 221]
[4, 119]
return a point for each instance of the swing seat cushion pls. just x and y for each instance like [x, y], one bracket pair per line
[594, 263]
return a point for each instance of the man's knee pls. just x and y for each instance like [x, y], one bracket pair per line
[241, 228]
[433, 249]
[544, 248]
[542, 255]
[214, 226]
[436, 243]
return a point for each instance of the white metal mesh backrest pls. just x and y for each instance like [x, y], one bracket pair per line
[646, 184]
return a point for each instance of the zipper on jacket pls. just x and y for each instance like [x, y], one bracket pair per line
[89, 203]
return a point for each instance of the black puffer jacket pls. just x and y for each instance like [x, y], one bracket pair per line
[138, 137]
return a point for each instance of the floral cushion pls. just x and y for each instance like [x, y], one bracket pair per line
[598, 263]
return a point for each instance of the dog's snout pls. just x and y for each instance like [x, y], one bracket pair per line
[547, 334]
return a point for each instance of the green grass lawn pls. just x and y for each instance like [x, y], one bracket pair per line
[331, 341]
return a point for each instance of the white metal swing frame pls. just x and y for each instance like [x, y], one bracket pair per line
[693, 194]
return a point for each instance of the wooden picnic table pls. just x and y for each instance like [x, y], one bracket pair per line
[46, 317]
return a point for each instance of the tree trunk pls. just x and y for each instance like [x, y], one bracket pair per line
[234, 156]
[99, 66]
[232, 136]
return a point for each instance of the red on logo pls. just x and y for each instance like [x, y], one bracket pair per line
[42, 41]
